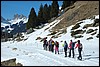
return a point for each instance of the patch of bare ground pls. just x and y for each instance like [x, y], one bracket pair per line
[79, 11]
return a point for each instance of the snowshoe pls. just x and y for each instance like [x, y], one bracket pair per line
[79, 58]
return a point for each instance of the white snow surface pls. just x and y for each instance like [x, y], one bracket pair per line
[31, 52]
[18, 20]
[4, 24]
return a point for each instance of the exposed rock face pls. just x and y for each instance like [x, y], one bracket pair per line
[89, 31]
[89, 38]
[19, 64]
[96, 22]
[16, 16]
[10, 62]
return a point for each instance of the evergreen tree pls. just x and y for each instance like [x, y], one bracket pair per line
[66, 4]
[46, 13]
[54, 9]
[72, 2]
[49, 10]
[32, 21]
[40, 14]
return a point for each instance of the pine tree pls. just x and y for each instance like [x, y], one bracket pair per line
[46, 13]
[32, 21]
[49, 10]
[72, 2]
[54, 9]
[40, 14]
[66, 4]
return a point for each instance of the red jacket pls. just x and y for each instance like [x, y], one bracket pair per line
[78, 45]
[70, 45]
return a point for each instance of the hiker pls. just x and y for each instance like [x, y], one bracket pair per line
[79, 45]
[56, 47]
[45, 43]
[71, 48]
[50, 44]
[52, 47]
[65, 48]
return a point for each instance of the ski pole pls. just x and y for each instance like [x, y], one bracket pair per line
[83, 52]
[74, 52]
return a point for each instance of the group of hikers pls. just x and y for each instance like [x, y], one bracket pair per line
[71, 47]
[54, 46]
[49, 45]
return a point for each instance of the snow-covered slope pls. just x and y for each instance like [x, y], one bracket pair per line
[18, 20]
[30, 52]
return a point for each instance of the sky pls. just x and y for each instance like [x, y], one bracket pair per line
[10, 8]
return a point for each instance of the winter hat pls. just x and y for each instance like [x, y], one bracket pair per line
[78, 41]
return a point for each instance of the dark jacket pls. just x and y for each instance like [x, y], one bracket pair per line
[65, 45]
[45, 42]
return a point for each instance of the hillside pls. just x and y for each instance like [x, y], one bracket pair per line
[30, 52]
[79, 11]
[75, 24]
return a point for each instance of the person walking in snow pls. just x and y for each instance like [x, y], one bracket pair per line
[79, 46]
[65, 48]
[56, 47]
[45, 43]
[50, 44]
[52, 47]
[71, 48]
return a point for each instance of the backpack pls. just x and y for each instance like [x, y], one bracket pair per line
[57, 44]
[63, 45]
[52, 42]
[73, 44]
[80, 45]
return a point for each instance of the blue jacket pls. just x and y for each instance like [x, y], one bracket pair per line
[65, 45]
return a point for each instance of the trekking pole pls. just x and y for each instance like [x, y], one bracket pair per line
[75, 52]
[83, 52]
